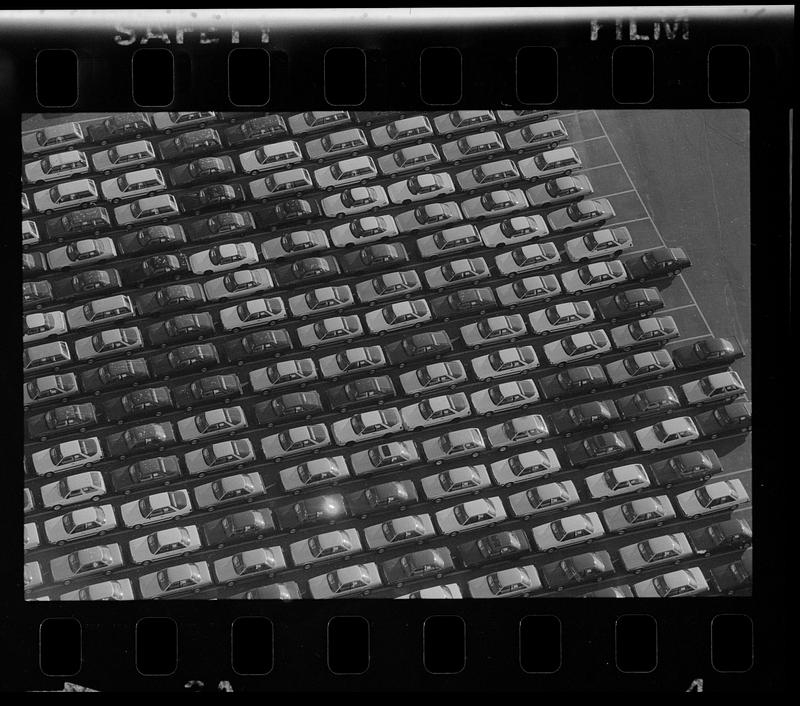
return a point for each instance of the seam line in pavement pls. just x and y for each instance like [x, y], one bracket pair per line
[600, 166]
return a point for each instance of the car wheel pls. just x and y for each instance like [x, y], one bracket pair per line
[136, 527]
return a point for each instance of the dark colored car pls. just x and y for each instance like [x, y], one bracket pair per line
[239, 527]
[146, 473]
[584, 416]
[262, 129]
[287, 591]
[180, 329]
[395, 495]
[655, 263]
[734, 576]
[173, 297]
[575, 570]
[494, 547]
[731, 418]
[372, 117]
[85, 221]
[114, 374]
[220, 225]
[600, 447]
[118, 127]
[156, 268]
[693, 466]
[371, 390]
[580, 380]
[378, 256]
[190, 144]
[308, 270]
[185, 359]
[36, 294]
[707, 352]
[33, 264]
[640, 302]
[283, 213]
[151, 239]
[312, 511]
[257, 345]
[94, 283]
[62, 420]
[418, 347]
[289, 407]
[202, 170]
[212, 388]
[646, 403]
[153, 436]
[210, 197]
[424, 563]
[475, 301]
[138, 403]
[721, 537]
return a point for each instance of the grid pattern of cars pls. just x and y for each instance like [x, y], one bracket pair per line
[338, 353]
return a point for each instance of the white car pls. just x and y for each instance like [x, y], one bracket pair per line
[30, 233]
[155, 508]
[352, 360]
[527, 258]
[514, 394]
[471, 515]
[69, 194]
[40, 326]
[400, 315]
[67, 456]
[435, 410]
[236, 488]
[399, 530]
[599, 243]
[639, 366]
[472, 147]
[272, 156]
[546, 134]
[666, 434]
[109, 342]
[316, 471]
[620, 480]
[164, 544]
[410, 157]
[387, 286]
[595, 275]
[120, 590]
[223, 420]
[514, 230]
[561, 161]
[223, 257]
[306, 438]
[296, 242]
[81, 253]
[518, 430]
[449, 240]
[421, 187]
[455, 481]
[261, 561]
[219, 456]
[320, 300]
[328, 545]
[238, 283]
[499, 173]
[102, 558]
[168, 121]
[313, 120]
[455, 121]
[560, 317]
[666, 549]
[289, 181]
[80, 523]
[675, 584]
[173, 580]
[49, 388]
[32, 576]
[456, 272]
[335, 329]
[151, 208]
[568, 531]
[543, 498]
[576, 347]
[264, 311]
[449, 590]
[506, 583]
[282, 373]
[346, 172]
[429, 215]
[56, 166]
[101, 311]
[494, 203]
[454, 444]
[712, 388]
[52, 138]
[30, 536]
[493, 329]
[529, 289]
[433, 377]
[73, 489]
[712, 497]
[355, 200]
[653, 329]
[560, 190]
[366, 229]
[143, 182]
[363, 426]
[524, 467]
[338, 143]
[417, 128]
[124, 156]
[348, 581]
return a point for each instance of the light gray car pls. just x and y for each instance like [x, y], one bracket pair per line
[433, 376]
[435, 410]
[213, 422]
[399, 530]
[216, 457]
[514, 394]
[73, 489]
[543, 498]
[100, 559]
[454, 444]
[493, 329]
[519, 430]
[120, 590]
[394, 454]
[332, 330]
[237, 488]
[526, 466]
[388, 285]
[239, 283]
[455, 481]
[173, 580]
[640, 512]
[303, 439]
[347, 581]
[363, 426]
[296, 242]
[428, 215]
[516, 581]
[316, 471]
[321, 547]
[320, 300]
[655, 551]
[405, 159]
[297, 372]
[505, 361]
[352, 360]
[164, 544]
[262, 561]
[620, 480]
[470, 515]
[81, 523]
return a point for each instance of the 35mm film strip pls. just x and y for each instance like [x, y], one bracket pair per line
[361, 307]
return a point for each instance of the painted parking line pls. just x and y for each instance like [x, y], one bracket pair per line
[600, 166]
[580, 142]
[694, 338]
[617, 193]
[658, 232]
[632, 220]
[674, 308]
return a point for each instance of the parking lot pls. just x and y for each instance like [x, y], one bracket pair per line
[673, 179]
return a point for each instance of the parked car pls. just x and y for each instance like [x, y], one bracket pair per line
[675, 584]
[358, 579]
[733, 418]
[424, 563]
[567, 531]
[506, 583]
[655, 551]
[399, 530]
[639, 302]
[619, 480]
[712, 497]
[559, 190]
[676, 431]
[504, 545]
[250, 524]
[172, 580]
[240, 487]
[707, 352]
[576, 570]
[721, 536]
[685, 467]
[655, 263]
[543, 498]
[599, 447]
[639, 512]
[393, 495]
